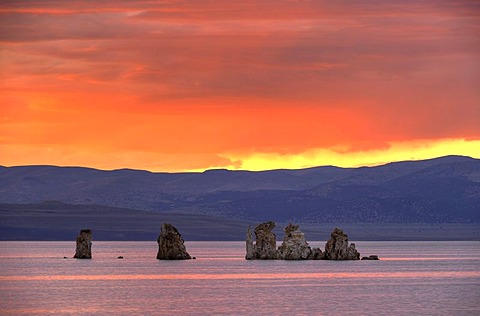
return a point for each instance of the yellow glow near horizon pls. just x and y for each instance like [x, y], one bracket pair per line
[414, 150]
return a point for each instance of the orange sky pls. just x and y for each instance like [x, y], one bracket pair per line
[193, 85]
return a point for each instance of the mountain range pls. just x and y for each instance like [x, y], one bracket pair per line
[440, 190]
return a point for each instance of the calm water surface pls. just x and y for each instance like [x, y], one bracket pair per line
[413, 278]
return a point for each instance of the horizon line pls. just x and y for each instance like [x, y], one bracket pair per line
[240, 169]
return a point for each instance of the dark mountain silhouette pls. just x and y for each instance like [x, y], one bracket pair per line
[441, 190]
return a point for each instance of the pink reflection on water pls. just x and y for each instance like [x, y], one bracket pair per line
[239, 276]
[56, 311]
[426, 258]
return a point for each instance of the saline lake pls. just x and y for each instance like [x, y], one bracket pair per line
[411, 278]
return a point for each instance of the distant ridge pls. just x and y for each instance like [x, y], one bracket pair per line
[439, 190]
[448, 158]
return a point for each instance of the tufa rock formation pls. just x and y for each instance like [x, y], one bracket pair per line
[250, 247]
[317, 254]
[294, 246]
[337, 247]
[171, 244]
[371, 257]
[265, 247]
[266, 241]
[84, 244]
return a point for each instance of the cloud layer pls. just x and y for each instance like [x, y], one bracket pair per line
[174, 85]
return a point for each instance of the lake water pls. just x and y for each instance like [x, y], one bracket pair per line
[412, 278]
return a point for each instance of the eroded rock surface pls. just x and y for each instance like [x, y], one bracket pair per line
[171, 245]
[295, 246]
[84, 245]
[266, 241]
[337, 247]
[250, 247]
[265, 246]
[317, 254]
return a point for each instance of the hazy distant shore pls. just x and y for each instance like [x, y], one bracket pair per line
[36, 222]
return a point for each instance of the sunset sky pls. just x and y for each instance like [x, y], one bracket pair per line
[195, 85]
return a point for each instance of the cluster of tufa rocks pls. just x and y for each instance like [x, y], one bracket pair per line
[295, 246]
[171, 245]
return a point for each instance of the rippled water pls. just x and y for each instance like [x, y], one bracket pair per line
[412, 278]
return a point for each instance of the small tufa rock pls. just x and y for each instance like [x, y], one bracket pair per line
[171, 244]
[84, 245]
[265, 247]
[266, 241]
[295, 246]
[372, 257]
[337, 247]
[249, 245]
[317, 254]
